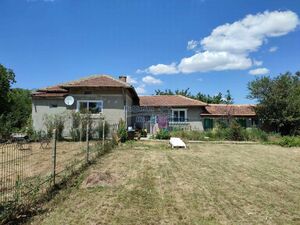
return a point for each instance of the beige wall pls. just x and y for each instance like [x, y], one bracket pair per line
[193, 115]
[113, 107]
[42, 107]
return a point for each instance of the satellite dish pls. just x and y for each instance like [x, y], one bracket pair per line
[69, 100]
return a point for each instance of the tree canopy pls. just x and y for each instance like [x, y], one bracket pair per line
[278, 102]
[7, 78]
[15, 104]
[215, 99]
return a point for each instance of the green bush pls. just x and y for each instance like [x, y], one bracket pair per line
[86, 121]
[236, 132]
[122, 132]
[163, 134]
[99, 129]
[57, 122]
[255, 134]
[189, 135]
[5, 128]
[289, 141]
[75, 127]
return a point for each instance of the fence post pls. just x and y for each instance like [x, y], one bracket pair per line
[103, 134]
[87, 143]
[54, 156]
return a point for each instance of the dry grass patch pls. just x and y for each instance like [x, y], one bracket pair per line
[206, 184]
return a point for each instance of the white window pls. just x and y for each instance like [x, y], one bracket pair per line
[179, 115]
[94, 107]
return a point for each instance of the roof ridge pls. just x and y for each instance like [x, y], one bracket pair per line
[122, 82]
[92, 76]
[62, 85]
[192, 99]
[223, 104]
[72, 81]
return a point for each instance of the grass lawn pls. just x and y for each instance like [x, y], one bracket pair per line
[148, 183]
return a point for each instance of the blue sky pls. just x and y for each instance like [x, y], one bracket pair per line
[51, 41]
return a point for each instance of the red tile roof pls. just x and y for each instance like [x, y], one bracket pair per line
[169, 100]
[49, 95]
[228, 110]
[96, 81]
[87, 82]
[53, 89]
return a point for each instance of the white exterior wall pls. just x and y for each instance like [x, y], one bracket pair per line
[42, 107]
[113, 109]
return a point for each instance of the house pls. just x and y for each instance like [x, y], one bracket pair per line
[214, 113]
[101, 95]
[179, 111]
[115, 99]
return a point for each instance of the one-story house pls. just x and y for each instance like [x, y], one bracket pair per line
[101, 95]
[214, 113]
[113, 99]
[178, 110]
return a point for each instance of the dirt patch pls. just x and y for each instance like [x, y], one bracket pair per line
[97, 179]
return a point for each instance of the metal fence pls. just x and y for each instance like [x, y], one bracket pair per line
[13, 165]
[28, 168]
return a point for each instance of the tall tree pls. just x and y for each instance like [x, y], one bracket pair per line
[20, 110]
[215, 99]
[7, 78]
[15, 104]
[228, 98]
[278, 102]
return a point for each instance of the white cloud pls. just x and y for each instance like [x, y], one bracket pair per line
[273, 49]
[248, 34]
[228, 47]
[257, 63]
[161, 69]
[213, 61]
[259, 71]
[141, 89]
[131, 80]
[192, 44]
[151, 80]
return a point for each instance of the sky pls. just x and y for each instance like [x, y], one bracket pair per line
[208, 46]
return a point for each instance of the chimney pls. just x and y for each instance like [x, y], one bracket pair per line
[123, 78]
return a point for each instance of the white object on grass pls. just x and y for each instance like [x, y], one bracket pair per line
[177, 143]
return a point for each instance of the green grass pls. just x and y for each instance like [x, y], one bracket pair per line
[206, 184]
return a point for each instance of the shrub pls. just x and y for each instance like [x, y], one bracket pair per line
[221, 134]
[236, 132]
[75, 128]
[99, 129]
[5, 128]
[255, 134]
[233, 133]
[85, 121]
[189, 135]
[122, 132]
[289, 141]
[163, 134]
[54, 122]
[221, 124]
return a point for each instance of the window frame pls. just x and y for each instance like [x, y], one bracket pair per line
[89, 101]
[178, 110]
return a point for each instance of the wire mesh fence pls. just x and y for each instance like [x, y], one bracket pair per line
[13, 162]
[33, 167]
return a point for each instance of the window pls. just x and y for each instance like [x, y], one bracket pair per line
[94, 107]
[179, 115]
[208, 123]
[53, 106]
